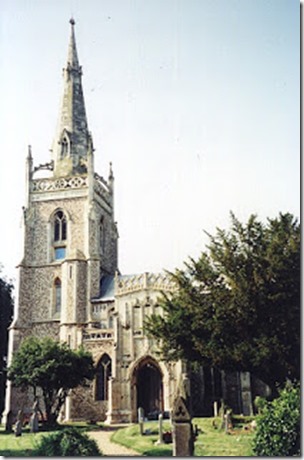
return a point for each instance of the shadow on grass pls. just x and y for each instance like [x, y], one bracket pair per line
[157, 452]
[16, 453]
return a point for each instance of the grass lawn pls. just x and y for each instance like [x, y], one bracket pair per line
[210, 442]
[214, 442]
[10, 446]
[22, 446]
[130, 437]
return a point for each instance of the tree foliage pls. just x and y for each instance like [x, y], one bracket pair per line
[53, 367]
[238, 306]
[69, 442]
[6, 317]
[278, 427]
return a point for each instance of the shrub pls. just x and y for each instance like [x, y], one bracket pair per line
[67, 443]
[278, 426]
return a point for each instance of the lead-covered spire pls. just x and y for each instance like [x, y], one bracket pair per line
[72, 138]
[72, 51]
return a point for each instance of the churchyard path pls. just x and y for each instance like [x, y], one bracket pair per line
[108, 448]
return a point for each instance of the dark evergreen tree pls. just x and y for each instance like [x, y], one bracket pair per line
[238, 306]
[6, 317]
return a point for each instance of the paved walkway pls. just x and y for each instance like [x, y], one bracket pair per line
[108, 448]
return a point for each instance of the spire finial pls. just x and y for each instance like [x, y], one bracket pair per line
[72, 51]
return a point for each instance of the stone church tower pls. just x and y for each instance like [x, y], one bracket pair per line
[70, 288]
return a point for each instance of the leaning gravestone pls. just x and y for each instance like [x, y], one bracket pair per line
[183, 437]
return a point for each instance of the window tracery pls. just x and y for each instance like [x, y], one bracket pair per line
[103, 374]
[60, 235]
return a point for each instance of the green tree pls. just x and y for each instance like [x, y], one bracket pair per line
[279, 425]
[53, 367]
[6, 317]
[238, 306]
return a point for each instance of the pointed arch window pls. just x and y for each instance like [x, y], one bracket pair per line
[60, 235]
[57, 296]
[64, 147]
[103, 374]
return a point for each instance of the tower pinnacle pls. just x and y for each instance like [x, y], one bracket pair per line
[72, 139]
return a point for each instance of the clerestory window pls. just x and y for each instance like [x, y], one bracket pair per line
[103, 374]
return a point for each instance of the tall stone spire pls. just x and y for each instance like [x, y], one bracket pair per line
[72, 139]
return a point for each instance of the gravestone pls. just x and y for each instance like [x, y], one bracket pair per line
[215, 409]
[228, 421]
[183, 436]
[160, 429]
[141, 415]
[19, 423]
[34, 426]
[9, 422]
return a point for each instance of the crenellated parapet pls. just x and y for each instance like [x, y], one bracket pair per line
[145, 281]
[100, 334]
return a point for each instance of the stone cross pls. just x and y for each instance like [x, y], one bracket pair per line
[183, 436]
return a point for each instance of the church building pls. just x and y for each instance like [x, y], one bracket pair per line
[71, 289]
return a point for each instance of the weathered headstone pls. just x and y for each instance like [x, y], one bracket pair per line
[9, 422]
[19, 423]
[141, 414]
[183, 436]
[215, 408]
[34, 425]
[160, 429]
[228, 421]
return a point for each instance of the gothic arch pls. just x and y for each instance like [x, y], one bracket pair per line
[65, 212]
[57, 295]
[146, 379]
[65, 144]
[103, 374]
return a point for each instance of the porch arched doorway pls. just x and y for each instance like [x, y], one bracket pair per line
[147, 388]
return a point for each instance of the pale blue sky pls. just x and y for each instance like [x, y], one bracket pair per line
[195, 102]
